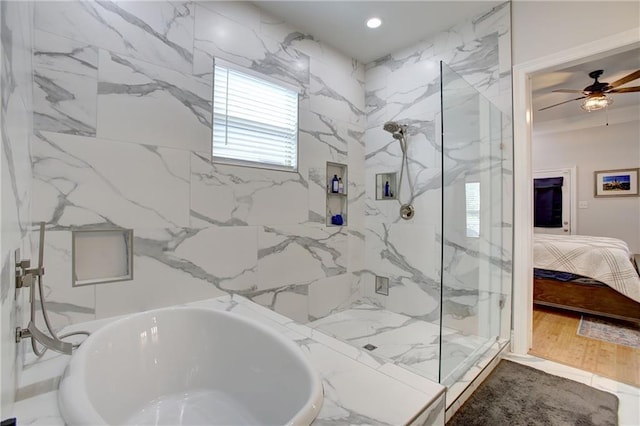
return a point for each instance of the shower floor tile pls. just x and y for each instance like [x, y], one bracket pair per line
[405, 341]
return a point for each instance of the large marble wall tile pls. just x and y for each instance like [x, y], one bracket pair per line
[225, 256]
[17, 45]
[16, 165]
[356, 188]
[233, 195]
[77, 183]
[65, 84]
[65, 304]
[157, 283]
[324, 139]
[16, 126]
[160, 32]
[291, 301]
[333, 95]
[143, 103]
[299, 254]
[405, 86]
[329, 295]
[247, 230]
[242, 12]
[221, 37]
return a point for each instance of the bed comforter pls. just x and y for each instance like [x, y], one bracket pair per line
[607, 260]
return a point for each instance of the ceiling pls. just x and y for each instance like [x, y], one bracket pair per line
[615, 66]
[341, 24]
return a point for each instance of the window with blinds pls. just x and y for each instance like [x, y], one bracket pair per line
[255, 120]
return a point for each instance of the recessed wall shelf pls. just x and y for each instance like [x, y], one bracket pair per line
[336, 194]
[102, 256]
[386, 188]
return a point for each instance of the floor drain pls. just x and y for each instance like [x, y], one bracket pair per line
[369, 347]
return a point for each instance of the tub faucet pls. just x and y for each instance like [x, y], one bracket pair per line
[28, 277]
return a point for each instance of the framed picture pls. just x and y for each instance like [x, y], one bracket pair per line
[616, 183]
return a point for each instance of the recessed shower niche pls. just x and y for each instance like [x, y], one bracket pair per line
[102, 256]
[386, 187]
[336, 194]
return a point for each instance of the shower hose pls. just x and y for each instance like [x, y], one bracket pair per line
[34, 345]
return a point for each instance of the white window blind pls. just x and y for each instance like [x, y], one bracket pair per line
[255, 121]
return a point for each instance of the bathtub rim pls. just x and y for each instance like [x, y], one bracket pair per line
[68, 399]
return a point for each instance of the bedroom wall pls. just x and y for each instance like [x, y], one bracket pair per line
[616, 146]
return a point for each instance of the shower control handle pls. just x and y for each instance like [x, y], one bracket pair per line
[26, 276]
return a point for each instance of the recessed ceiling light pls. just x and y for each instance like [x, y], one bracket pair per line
[374, 22]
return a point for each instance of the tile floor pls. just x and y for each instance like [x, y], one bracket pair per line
[410, 343]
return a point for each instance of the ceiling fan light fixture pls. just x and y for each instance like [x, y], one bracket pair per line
[594, 103]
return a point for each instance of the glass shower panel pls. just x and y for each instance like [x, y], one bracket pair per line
[472, 225]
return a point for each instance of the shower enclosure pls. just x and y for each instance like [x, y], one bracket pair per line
[448, 267]
[476, 237]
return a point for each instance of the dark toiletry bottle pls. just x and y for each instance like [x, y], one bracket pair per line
[387, 192]
[334, 184]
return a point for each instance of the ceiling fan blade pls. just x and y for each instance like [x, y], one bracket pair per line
[625, 79]
[625, 89]
[570, 100]
[567, 91]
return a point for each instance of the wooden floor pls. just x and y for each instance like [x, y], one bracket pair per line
[555, 338]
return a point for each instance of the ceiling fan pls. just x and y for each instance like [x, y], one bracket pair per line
[595, 95]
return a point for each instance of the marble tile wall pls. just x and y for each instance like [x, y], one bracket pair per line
[16, 127]
[122, 114]
[405, 87]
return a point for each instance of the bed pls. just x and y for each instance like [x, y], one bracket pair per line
[594, 275]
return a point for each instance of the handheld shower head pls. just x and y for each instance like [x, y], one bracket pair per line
[392, 127]
[397, 131]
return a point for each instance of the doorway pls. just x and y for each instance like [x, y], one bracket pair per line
[523, 173]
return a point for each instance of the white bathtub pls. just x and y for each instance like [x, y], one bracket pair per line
[189, 366]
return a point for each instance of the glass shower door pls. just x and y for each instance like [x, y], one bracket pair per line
[472, 225]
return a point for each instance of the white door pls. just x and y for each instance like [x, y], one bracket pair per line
[568, 194]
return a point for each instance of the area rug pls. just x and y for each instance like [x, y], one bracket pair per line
[515, 394]
[620, 333]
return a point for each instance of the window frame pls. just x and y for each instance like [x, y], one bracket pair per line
[245, 163]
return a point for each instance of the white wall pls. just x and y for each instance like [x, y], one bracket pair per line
[610, 147]
[541, 28]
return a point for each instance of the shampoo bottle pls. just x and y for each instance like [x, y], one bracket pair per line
[340, 186]
[335, 184]
[387, 192]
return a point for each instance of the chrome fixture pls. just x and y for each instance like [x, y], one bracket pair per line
[26, 277]
[398, 132]
[407, 211]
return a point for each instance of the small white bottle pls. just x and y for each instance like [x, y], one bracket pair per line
[340, 186]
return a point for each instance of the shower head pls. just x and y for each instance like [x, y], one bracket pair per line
[392, 127]
[397, 131]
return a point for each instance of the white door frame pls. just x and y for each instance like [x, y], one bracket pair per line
[573, 192]
[522, 191]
